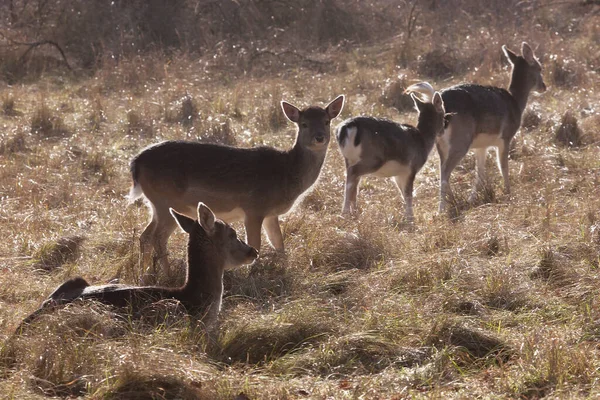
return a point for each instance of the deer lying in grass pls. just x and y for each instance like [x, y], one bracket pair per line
[484, 116]
[255, 185]
[383, 148]
[213, 246]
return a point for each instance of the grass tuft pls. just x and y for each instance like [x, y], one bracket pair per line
[46, 124]
[54, 255]
[568, 132]
[258, 339]
[183, 111]
[476, 343]
[136, 386]
[393, 94]
[14, 144]
[363, 248]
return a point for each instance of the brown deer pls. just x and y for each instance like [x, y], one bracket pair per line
[383, 148]
[213, 247]
[484, 116]
[255, 185]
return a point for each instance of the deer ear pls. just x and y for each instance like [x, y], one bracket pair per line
[206, 218]
[418, 103]
[185, 222]
[512, 57]
[335, 107]
[527, 53]
[291, 112]
[438, 103]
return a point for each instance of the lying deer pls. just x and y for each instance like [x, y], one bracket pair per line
[255, 185]
[484, 116]
[383, 148]
[213, 246]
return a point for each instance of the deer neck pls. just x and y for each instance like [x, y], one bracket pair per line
[305, 165]
[426, 128]
[519, 88]
[204, 275]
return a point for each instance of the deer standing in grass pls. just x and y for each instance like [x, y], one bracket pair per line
[255, 185]
[213, 246]
[484, 116]
[383, 148]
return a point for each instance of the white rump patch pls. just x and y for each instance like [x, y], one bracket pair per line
[351, 152]
[135, 193]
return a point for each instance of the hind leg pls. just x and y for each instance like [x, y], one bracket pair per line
[165, 227]
[480, 175]
[156, 236]
[405, 184]
[274, 234]
[452, 146]
[353, 175]
[147, 245]
[502, 154]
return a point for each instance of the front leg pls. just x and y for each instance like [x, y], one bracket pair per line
[274, 232]
[253, 224]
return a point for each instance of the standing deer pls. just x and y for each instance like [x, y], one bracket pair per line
[383, 148]
[213, 246]
[255, 185]
[484, 116]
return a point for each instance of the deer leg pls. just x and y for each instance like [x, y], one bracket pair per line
[253, 223]
[405, 184]
[147, 245]
[352, 181]
[166, 226]
[274, 232]
[480, 156]
[502, 154]
[446, 168]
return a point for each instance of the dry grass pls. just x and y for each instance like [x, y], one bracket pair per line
[498, 302]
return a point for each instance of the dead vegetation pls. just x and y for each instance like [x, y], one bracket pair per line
[499, 301]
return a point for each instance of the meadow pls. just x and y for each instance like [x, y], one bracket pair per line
[497, 299]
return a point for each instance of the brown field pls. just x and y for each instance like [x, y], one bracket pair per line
[502, 301]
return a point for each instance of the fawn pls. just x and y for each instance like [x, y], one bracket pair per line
[213, 246]
[383, 148]
[484, 116]
[255, 185]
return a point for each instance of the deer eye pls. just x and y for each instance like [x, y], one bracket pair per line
[327, 123]
[304, 125]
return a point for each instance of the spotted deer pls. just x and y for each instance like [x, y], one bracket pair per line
[213, 247]
[483, 117]
[383, 148]
[255, 185]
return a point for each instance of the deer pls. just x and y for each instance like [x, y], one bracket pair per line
[383, 148]
[255, 185]
[213, 247]
[483, 117]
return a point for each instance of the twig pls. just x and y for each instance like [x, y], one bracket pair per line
[41, 43]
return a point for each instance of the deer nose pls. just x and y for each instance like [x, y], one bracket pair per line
[320, 138]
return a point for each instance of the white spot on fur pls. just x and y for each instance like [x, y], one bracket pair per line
[351, 152]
